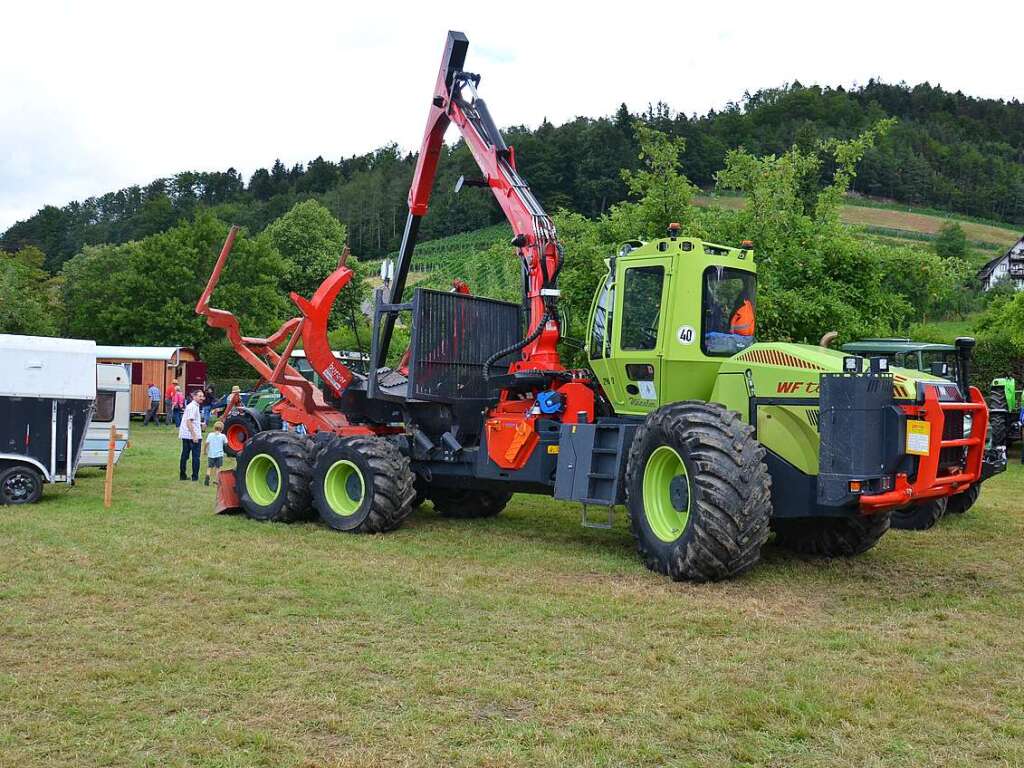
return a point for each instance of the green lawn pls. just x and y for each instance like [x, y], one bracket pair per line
[159, 634]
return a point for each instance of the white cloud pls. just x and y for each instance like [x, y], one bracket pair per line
[97, 96]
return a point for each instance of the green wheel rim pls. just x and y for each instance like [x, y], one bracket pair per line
[263, 479]
[344, 488]
[663, 515]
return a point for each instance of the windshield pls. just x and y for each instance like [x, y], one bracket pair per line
[729, 316]
[947, 357]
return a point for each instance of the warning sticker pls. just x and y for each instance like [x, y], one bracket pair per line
[918, 437]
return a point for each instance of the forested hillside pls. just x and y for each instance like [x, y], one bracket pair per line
[947, 150]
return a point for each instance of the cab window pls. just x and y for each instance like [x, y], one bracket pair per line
[641, 300]
[601, 332]
[728, 312]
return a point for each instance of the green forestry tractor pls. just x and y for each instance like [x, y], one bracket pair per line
[708, 438]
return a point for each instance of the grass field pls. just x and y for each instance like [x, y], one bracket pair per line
[159, 634]
[892, 220]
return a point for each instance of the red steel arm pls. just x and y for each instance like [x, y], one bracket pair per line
[303, 402]
[455, 101]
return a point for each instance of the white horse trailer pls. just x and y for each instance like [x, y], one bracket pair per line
[47, 396]
[113, 406]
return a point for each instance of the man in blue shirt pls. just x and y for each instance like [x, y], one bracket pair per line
[153, 392]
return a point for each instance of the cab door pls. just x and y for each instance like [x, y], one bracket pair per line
[640, 309]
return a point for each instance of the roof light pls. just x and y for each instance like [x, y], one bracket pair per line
[851, 364]
[673, 230]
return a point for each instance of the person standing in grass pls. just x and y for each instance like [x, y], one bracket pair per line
[215, 442]
[191, 435]
[177, 405]
[209, 396]
[169, 403]
[154, 405]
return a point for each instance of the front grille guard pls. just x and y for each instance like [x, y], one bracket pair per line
[933, 479]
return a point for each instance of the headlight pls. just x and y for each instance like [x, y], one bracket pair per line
[968, 421]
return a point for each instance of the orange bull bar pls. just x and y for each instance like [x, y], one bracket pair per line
[932, 481]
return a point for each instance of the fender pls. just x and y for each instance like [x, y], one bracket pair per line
[20, 458]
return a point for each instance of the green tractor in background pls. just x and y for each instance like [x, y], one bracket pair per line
[938, 359]
[1004, 404]
[255, 416]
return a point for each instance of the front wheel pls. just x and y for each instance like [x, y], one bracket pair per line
[20, 484]
[698, 492]
[239, 429]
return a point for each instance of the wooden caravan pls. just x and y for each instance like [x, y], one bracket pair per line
[155, 365]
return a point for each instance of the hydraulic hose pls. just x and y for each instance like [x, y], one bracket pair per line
[517, 346]
[548, 314]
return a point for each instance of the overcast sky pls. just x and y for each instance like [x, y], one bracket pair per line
[95, 96]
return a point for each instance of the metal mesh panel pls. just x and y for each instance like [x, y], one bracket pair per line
[952, 429]
[452, 336]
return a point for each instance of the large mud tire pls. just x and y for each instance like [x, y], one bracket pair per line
[998, 417]
[698, 492]
[272, 477]
[362, 484]
[830, 536]
[466, 504]
[920, 516]
[239, 428]
[961, 502]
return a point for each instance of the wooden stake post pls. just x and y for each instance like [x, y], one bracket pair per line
[108, 483]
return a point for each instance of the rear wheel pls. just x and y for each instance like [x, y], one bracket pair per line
[239, 429]
[362, 483]
[272, 477]
[830, 536]
[998, 417]
[20, 484]
[698, 492]
[920, 516]
[467, 503]
[959, 503]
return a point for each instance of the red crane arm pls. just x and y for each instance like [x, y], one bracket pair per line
[455, 100]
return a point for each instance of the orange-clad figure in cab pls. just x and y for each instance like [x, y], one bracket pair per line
[742, 323]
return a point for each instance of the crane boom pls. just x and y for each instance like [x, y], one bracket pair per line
[455, 100]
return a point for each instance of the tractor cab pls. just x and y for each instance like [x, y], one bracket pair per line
[666, 316]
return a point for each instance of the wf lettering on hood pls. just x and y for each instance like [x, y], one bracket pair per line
[802, 387]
